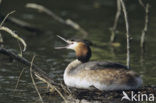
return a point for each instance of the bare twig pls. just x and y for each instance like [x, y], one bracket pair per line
[127, 32]
[113, 29]
[34, 81]
[61, 95]
[6, 17]
[142, 38]
[0, 1]
[141, 3]
[19, 79]
[21, 52]
[51, 86]
[45, 10]
[6, 29]
[18, 22]
[142, 42]
[68, 22]
[1, 38]
[24, 24]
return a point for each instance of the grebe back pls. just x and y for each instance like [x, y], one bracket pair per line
[82, 73]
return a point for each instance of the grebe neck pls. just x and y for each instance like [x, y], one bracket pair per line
[72, 65]
[83, 53]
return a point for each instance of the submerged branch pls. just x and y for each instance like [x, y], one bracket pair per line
[127, 32]
[68, 22]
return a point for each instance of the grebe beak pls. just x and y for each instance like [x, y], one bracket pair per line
[67, 41]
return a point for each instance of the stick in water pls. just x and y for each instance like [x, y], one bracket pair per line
[68, 22]
[127, 32]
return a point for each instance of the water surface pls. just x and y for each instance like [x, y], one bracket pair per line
[96, 17]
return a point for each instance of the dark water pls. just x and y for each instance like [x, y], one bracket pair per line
[96, 17]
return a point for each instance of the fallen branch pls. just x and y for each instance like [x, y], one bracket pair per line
[68, 22]
[24, 61]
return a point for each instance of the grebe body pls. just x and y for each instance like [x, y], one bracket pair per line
[101, 75]
[82, 73]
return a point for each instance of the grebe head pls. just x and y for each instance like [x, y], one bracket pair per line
[82, 49]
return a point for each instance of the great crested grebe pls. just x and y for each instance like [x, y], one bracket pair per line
[82, 73]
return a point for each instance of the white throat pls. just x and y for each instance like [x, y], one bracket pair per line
[72, 65]
[67, 75]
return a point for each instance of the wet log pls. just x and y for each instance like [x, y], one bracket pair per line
[36, 70]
